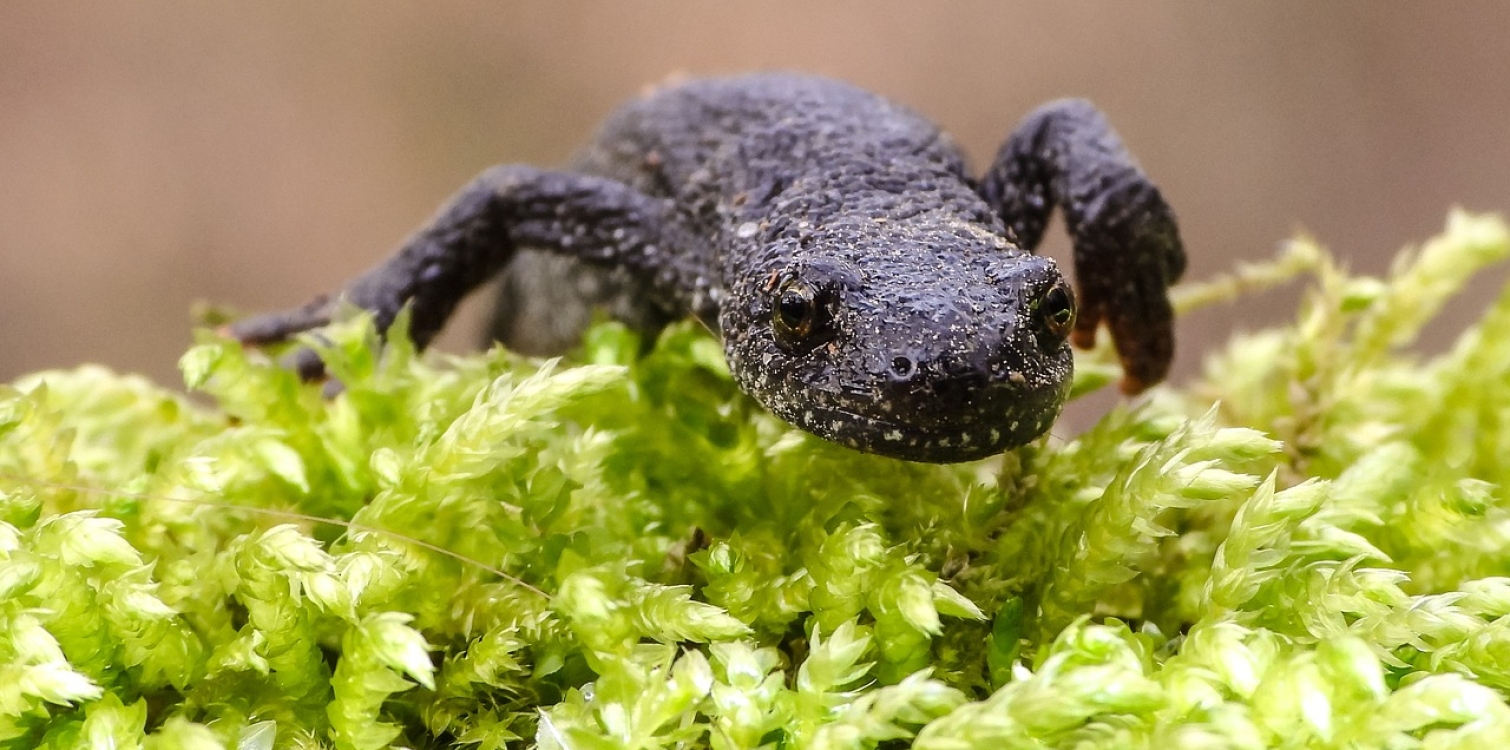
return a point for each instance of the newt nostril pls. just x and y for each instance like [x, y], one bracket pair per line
[901, 368]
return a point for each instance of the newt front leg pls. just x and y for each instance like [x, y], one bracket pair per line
[475, 234]
[1127, 244]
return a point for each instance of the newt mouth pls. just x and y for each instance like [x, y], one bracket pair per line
[986, 433]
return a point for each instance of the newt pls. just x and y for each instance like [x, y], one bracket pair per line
[865, 286]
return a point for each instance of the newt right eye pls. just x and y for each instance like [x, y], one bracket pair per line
[800, 316]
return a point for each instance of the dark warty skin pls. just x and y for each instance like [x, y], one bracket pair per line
[866, 288]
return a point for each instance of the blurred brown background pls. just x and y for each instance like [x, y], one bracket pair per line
[157, 153]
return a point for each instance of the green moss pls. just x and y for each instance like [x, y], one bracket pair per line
[1300, 549]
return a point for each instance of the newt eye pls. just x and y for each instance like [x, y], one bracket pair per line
[801, 315]
[1056, 310]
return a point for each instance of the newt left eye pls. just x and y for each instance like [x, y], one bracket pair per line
[1056, 310]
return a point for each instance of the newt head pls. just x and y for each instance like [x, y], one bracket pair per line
[927, 344]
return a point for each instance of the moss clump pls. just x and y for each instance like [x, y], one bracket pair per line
[1303, 549]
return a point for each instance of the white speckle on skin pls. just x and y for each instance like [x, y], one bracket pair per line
[893, 435]
[746, 230]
